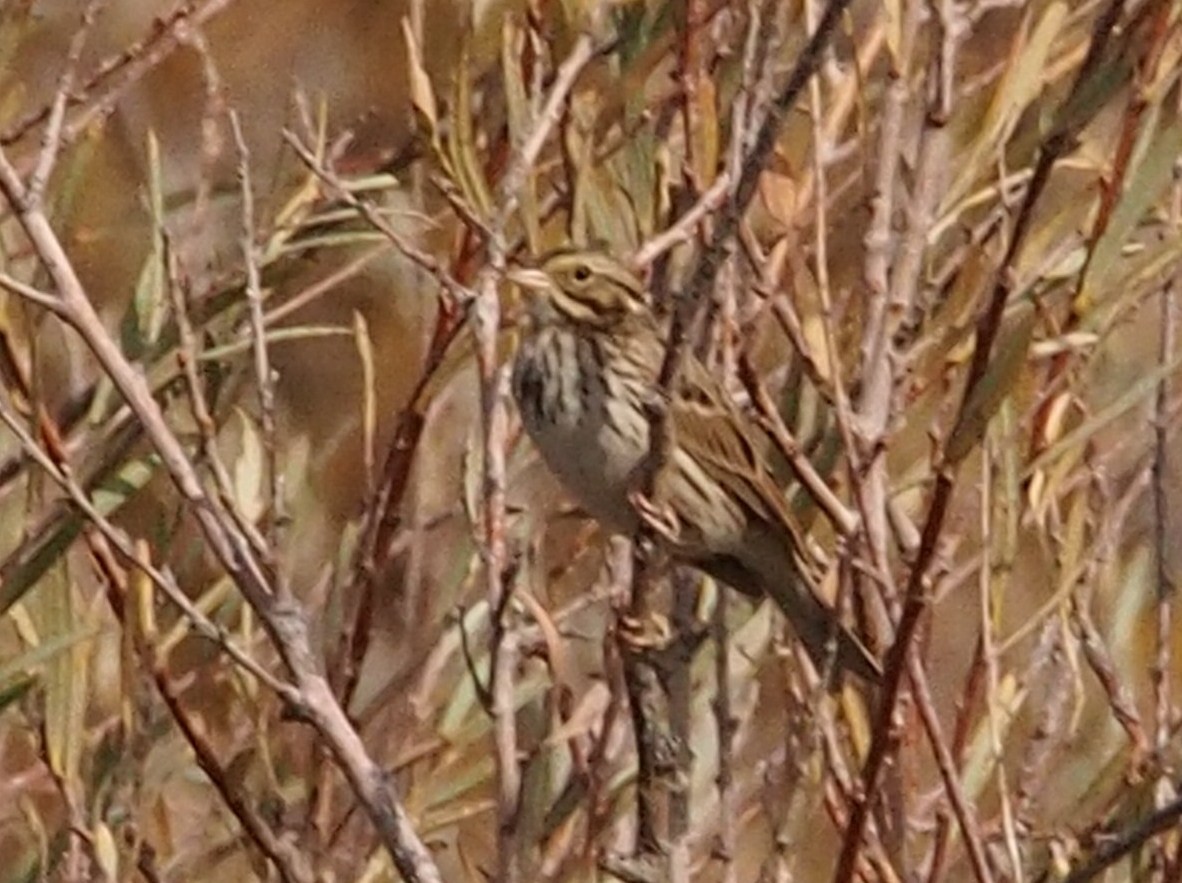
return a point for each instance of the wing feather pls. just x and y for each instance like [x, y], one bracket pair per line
[709, 428]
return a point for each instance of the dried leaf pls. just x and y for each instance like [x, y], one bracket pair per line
[369, 396]
[778, 193]
[250, 469]
[422, 95]
[705, 133]
[1137, 393]
[521, 121]
[144, 318]
[461, 146]
[894, 30]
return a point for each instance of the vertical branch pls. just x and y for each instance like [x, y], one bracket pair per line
[494, 382]
[725, 723]
[833, 368]
[1161, 511]
[726, 726]
[264, 377]
[659, 808]
[1167, 345]
[873, 404]
[650, 714]
[821, 147]
[680, 689]
[892, 272]
[697, 89]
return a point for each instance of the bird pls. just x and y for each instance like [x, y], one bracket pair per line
[584, 378]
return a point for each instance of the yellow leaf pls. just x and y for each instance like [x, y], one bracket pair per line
[778, 193]
[106, 851]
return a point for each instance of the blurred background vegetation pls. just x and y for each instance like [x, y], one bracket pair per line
[373, 135]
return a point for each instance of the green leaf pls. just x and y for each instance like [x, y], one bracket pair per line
[987, 396]
[110, 496]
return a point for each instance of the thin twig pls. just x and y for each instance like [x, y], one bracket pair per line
[1115, 847]
[127, 69]
[367, 210]
[890, 297]
[727, 726]
[51, 138]
[189, 359]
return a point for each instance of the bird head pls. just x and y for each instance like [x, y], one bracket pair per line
[585, 288]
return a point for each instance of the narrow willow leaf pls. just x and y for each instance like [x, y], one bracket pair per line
[144, 318]
[612, 214]
[1021, 83]
[472, 460]
[35, 658]
[422, 95]
[1150, 179]
[1137, 393]
[1003, 372]
[894, 31]
[105, 850]
[15, 691]
[250, 469]
[75, 173]
[331, 239]
[66, 678]
[1094, 94]
[580, 154]
[218, 595]
[39, 559]
[980, 759]
[369, 395]
[518, 107]
[465, 158]
[108, 498]
[278, 335]
[705, 134]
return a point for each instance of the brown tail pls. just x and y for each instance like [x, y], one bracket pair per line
[817, 626]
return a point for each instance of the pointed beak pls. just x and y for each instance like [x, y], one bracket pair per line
[528, 278]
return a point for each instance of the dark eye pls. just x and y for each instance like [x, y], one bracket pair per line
[582, 273]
